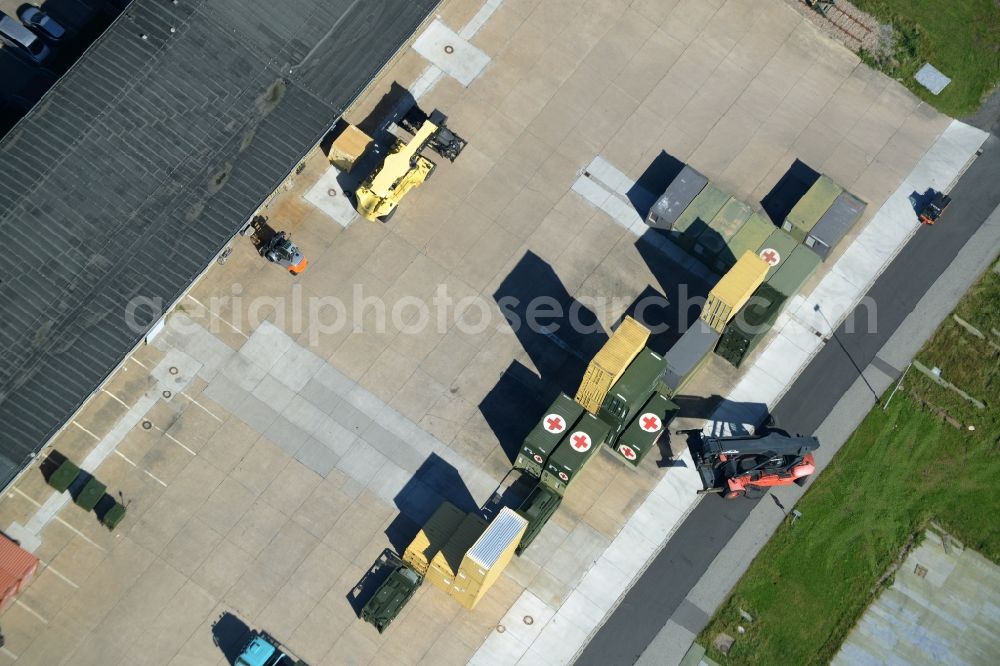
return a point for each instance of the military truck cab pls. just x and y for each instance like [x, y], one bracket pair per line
[263, 650]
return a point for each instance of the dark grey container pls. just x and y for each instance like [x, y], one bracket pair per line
[677, 197]
[834, 224]
[687, 355]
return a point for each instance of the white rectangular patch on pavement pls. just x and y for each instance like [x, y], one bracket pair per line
[450, 53]
[328, 195]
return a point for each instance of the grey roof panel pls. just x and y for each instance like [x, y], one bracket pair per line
[144, 142]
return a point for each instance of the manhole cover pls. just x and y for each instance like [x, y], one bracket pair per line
[449, 49]
[147, 425]
[528, 619]
[331, 192]
[173, 370]
[501, 628]
[167, 394]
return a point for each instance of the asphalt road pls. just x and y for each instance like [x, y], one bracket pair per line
[678, 567]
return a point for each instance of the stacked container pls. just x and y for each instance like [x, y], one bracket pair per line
[794, 271]
[754, 231]
[734, 290]
[574, 452]
[687, 355]
[776, 249]
[607, 366]
[811, 207]
[633, 389]
[696, 217]
[646, 428]
[543, 438]
[749, 327]
[835, 223]
[432, 537]
[17, 570]
[677, 197]
[488, 557]
[726, 223]
[445, 564]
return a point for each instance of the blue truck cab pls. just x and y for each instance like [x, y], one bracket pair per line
[262, 650]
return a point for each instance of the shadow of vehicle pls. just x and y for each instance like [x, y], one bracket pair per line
[788, 190]
[230, 634]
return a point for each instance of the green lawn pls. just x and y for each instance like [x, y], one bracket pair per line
[902, 468]
[959, 37]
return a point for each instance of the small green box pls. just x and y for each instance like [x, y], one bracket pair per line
[113, 516]
[64, 476]
[91, 494]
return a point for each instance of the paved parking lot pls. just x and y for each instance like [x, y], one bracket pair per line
[296, 445]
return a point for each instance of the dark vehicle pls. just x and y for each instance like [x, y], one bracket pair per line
[41, 23]
[22, 40]
[391, 596]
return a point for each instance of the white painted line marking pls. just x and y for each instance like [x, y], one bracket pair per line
[30, 610]
[206, 409]
[86, 431]
[174, 440]
[217, 316]
[117, 399]
[80, 534]
[21, 493]
[51, 568]
[123, 457]
[8, 653]
[154, 478]
[140, 363]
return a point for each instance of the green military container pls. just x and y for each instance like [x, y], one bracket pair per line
[730, 218]
[811, 207]
[696, 217]
[628, 394]
[776, 249]
[64, 476]
[751, 324]
[90, 495]
[537, 508]
[543, 438]
[390, 597]
[574, 452]
[646, 428]
[794, 271]
[754, 231]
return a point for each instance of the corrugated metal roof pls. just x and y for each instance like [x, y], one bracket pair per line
[143, 161]
[495, 540]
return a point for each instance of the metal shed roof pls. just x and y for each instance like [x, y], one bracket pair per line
[143, 161]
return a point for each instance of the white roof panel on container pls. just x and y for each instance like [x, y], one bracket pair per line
[506, 527]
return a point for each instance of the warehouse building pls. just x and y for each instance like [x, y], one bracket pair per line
[143, 161]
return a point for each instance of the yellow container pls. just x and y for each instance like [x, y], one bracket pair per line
[734, 290]
[348, 147]
[488, 557]
[610, 363]
[446, 562]
[432, 537]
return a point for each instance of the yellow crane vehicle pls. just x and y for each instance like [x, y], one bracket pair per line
[404, 167]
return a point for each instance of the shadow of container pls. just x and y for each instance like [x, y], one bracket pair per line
[788, 190]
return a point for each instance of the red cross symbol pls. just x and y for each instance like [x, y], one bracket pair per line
[564, 476]
[554, 423]
[628, 452]
[649, 422]
[580, 441]
[771, 256]
[539, 459]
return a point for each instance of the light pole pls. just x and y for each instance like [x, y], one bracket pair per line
[833, 334]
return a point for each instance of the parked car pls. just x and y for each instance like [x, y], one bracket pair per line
[41, 23]
[22, 40]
